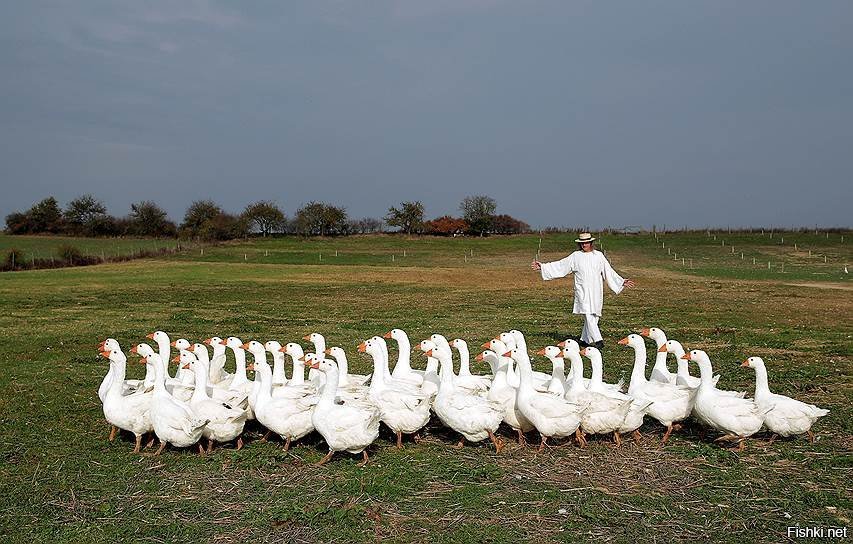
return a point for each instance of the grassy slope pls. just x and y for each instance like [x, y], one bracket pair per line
[46, 246]
[60, 480]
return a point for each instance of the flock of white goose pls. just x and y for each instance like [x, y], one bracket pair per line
[203, 401]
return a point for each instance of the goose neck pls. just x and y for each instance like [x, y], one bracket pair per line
[762, 388]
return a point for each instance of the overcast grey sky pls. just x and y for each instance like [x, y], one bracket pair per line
[567, 113]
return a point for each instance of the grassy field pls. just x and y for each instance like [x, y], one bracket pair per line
[45, 247]
[61, 481]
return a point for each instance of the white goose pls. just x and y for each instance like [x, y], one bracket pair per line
[669, 403]
[319, 342]
[297, 375]
[782, 415]
[186, 377]
[683, 376]
[218, 376]
[163, 349]
[736, 417]
[290, 418]
[505, 394]
[172, 385]
[217, 392]
[474, 417]
[129, 386]
[511, 341]
[174, 421]
[402, 411]
[353, 383]
[553, 416]
[557, 383]
[596, 379]
[660, 373]
[126, 412]
[345, 427]
[279, 377]
[403, 368]
[225, 423]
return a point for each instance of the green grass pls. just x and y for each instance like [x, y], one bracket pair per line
[45, 247]
[61, 481]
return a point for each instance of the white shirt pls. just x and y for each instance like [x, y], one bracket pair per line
[590, 268]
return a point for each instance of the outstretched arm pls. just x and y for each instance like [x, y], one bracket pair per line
[614, 280]
[556, 269]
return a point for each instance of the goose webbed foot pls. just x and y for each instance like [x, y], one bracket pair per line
[638, 437]
[160, 449]
[811, 436]
[459, 444]
[522, 441]
[499, 444]
[209, 445]
[239, 443]
[200, 449]
[617, 439]
[399, 440]
[266, 436]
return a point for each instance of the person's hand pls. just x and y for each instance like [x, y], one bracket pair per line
[629, 283]
[536, 265]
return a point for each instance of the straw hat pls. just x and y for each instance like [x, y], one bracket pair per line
[585, 237]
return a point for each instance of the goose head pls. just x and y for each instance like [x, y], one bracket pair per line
[569, 345]
[180, 343]
[396, 334]
[634, 341]
[159, 336]
[591, 353]
[753, 362]
[458, 343]
[142, 349]
[671, 346]
[508, 339]
[255, 348]
[520, 341]
[293, 349]
[336, 352]
[110, 344]
[213, 341]
[115, 356]
[200, 351]
[273, 347]
[426, 345]
[551, 352]
[323, 365]
[234, 343]
[315, 338]
[697, 356]
[185, 359]
[655, 334]
[496, 346]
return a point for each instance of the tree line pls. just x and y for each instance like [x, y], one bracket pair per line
[206, 220]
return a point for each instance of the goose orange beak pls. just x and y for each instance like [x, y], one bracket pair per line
[283, 349]
[173, 343]
[561, 344]
[185, 366]
[428, 353]
[134, 349]
[662, 349]
[250, 366]
[223, 343]
[245, 346]
[101, 345]
[387, 335]
[745, 362]
[176, 359]
[105, 354]
[315, 365]
[486, 345]
[207, 341]
[479, 357]
[328, 351]
[623, 342]
[583, 351]
[307, 337]
[150, 335]
[303, 358]
[645, 332]
[507, 354]
[541, 352]
[686, 356]
[362, 348]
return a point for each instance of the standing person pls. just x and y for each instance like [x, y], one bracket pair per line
[590, 268]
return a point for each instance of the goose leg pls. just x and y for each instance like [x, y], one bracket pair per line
[580, 437]
[499, 445]
[365, 459]
[668, 432]
[460, 443]
[811, 436]
[741, 445]
[399, 441]
[772, 439]
[266, 436]
[209, 445]
[617, 439]
[638, 437]
[521, 440]
[325, 459]
[150, 441]
[161, 448]
[417, 437]
[239, 442]
[113, 432]
[138, 443]
[287, 444]
[542, 443]
[200, 449]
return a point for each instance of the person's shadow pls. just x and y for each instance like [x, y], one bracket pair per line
[560, 336]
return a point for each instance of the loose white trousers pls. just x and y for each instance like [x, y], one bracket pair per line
[590, 333]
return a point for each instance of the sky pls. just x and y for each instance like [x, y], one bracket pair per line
[715, 113]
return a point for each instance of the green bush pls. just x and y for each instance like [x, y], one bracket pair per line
[70, 253]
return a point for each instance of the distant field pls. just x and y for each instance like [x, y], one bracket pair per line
[45, 247]
[702, 254]
[61, 481]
